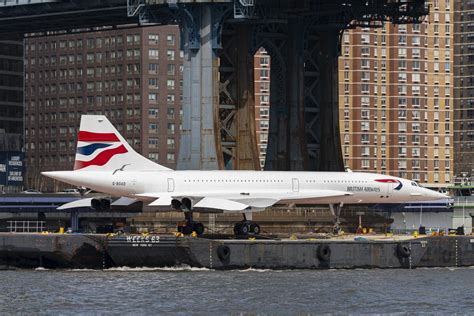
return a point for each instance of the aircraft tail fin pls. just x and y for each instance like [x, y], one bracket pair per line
[101, 147]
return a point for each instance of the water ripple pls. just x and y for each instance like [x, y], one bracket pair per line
[191, 291]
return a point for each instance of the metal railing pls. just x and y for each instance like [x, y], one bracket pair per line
[26, 226]
[464, 181]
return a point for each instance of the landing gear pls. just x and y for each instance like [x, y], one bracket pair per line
[189, 225]
[187, 228]
[336, 212]
[246, 227]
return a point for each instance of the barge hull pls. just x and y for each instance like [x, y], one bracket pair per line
[100, 251]
[448, 251]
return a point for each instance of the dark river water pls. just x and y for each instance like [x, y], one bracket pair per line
[187, 291]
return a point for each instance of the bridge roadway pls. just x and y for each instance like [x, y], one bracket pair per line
[19, 17]
[219, 39]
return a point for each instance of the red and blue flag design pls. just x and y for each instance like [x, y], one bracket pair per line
[96, 149]
[398, 187]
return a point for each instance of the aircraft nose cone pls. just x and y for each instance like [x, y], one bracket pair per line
[437, 195]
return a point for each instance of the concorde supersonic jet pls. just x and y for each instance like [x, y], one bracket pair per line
[106, 163]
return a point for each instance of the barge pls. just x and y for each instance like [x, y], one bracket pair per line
[95, 251]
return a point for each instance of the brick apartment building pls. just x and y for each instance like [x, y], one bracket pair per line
[396, 98]
[133, 76]
[463, 89]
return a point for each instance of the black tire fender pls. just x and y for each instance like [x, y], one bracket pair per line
[223, 252]
[323, 252]
[403, 250]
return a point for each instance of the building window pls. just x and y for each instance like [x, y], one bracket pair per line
[153, 39]
[402, 164]
[153, 157]
[415, 152]
[152, 96]
[170, 54]
[264, 112]
[171, 128]
[153, 83]
[365, 88]
[153, 68]
[153, 53]
[153, 142]
[153, 113]
[153, 128]
[365, 163]
[171, 69]
[170, 39]
[170, 143]
[365, 151]
[170, 114]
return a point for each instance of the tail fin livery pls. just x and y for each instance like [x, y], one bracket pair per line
[101, 147]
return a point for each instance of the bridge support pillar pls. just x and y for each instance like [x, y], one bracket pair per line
[330, 158]
[304, 126]
[218, 98]
[295, 102]
[237, 147]
[200, 89]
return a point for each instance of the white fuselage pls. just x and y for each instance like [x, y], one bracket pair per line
[291, 187]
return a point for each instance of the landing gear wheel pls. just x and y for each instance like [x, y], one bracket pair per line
[199, 228]
[244, 229]
[255, 228]
[188, 228]
[237, 228]
[185, 229]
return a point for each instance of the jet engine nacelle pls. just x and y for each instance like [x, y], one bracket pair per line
[185, 204]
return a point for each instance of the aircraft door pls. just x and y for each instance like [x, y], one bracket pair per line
[170, 185]
[389, 188]
[296, 185]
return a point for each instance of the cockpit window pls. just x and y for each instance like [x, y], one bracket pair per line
[414, 184]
